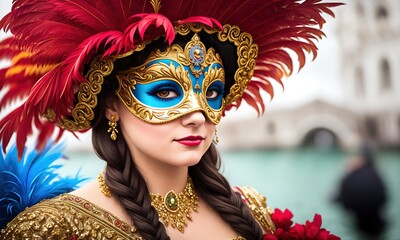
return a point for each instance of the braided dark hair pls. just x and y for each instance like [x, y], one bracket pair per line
[127, 184]
[213, 187]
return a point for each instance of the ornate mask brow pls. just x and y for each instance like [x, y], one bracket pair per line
[175, 82]
[82, 114]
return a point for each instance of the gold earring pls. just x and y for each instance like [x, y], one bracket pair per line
[113, 127]
[216, 139]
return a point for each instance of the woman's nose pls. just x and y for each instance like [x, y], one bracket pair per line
[195, 119]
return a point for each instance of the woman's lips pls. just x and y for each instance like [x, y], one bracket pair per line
[190, 141]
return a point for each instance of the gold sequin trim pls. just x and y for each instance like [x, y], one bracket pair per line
[68, 217]
[258, 205]
[103, 186]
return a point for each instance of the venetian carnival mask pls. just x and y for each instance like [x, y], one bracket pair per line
[172, 82]
[175, 82]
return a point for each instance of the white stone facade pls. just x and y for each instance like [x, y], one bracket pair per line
[369, 35]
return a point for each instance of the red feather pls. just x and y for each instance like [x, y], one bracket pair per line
[14, 93]
[63, 35]
[144, 21]
[252, 90]
[211, 22]
[8, 127]
[83, 13]
[252, 101]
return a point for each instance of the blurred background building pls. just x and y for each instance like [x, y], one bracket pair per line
[367, 34]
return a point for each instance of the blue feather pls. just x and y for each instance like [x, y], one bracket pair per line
[27, 182]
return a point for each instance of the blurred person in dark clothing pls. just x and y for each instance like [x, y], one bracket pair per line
[362, 192]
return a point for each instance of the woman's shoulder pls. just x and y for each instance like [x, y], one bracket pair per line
[67, 217]
[44, 220]
[258, 205]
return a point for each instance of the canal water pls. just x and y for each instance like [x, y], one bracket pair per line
[302, 180]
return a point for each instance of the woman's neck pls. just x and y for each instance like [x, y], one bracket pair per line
[162, 179]
[164, 182]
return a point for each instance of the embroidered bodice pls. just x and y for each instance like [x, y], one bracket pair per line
[70, 217]
[67, 217]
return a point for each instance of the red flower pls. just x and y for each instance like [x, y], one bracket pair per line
[282, 219]
[309, 231]
[269, 237]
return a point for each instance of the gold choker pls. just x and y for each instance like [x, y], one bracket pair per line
[103, 186]
[174, 209]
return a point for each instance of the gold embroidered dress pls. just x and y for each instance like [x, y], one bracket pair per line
[67, 217]
[70, 217]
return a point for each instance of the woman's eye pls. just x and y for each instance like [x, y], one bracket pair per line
[166, 94]
[211, 93]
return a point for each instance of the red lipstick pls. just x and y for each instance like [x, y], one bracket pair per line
[190, 141]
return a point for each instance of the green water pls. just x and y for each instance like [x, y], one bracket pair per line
[302, 180]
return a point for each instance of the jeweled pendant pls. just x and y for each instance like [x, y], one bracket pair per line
[171, 201]
[175, 209]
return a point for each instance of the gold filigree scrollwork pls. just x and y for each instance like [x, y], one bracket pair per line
[156, 5]
[185, 29]
[195, 53]
[258, 205]
[212, 75]
[82, 113]
[154, 69]
[142, 74]
[247, 52]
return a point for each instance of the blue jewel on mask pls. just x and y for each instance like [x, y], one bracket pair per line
[196, 55]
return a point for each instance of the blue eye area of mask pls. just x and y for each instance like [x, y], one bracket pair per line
[214, 94]
[159, 94]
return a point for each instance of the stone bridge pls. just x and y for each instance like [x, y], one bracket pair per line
[317, 123]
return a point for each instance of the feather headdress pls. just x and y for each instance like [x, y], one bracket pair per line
[52, 40]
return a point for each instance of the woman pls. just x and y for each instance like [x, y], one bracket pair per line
[151, 79]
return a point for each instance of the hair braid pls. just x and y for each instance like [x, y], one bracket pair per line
[127, 184]
[220, 196]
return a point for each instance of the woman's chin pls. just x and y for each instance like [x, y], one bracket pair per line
[188, 159]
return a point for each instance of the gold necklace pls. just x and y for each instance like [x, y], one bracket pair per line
[172, 208]
[176, 208]
[102, 184]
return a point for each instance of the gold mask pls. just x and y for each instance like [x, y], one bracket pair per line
[82, 114]
[175, 82]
